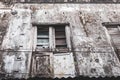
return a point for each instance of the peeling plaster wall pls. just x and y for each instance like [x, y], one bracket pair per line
[4, 23]
[17, 42]
[94, 54]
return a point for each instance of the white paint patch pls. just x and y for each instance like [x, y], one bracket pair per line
[2, 10]
[70, 9]
[9, 63]
[64, 65]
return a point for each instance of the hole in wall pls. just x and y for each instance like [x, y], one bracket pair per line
[93, 70]
[45, 12]
[20, 46]
[22, 34]
[97, 60]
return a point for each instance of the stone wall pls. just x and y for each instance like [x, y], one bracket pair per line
[91, 47]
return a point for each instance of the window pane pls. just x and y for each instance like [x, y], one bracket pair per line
[60, 37]
[43, 34]
[43, 37]
[60, 33]
[43, 41]
[61, 42]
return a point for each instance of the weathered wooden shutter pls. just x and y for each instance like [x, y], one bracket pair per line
[60, 37]
[42, 65]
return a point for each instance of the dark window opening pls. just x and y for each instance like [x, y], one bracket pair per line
[18, 58]
[60, 37]
[15, 71]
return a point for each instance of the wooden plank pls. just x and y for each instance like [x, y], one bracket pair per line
[42, 65]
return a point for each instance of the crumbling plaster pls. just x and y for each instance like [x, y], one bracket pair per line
[87, 32]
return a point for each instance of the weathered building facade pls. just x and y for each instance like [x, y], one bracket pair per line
[59, 40]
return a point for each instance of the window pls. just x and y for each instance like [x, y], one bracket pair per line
[53, 36]
[60, 37]
[43, 37]
[114, 33]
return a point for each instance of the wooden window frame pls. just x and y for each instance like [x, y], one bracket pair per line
[38, 37]
[112, 25]
[60, 37]
[52, 44]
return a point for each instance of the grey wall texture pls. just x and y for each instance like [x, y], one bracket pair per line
[92, 49]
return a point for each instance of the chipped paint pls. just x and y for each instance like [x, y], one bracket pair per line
[92, 53]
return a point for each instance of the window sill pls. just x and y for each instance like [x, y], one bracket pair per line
[62, 50]
[58, 50]
[43, 49]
